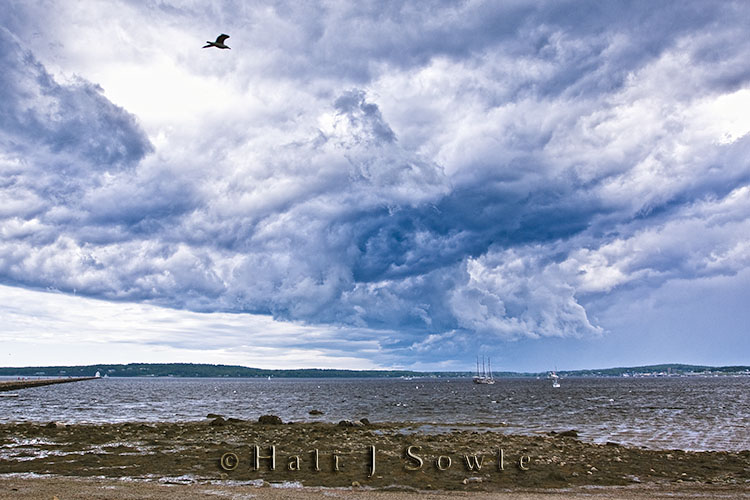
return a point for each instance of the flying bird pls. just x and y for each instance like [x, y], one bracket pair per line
[219, 43]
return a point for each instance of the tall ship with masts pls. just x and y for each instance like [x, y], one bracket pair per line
[485, 375]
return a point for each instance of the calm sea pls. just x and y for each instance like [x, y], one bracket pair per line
[666, 413]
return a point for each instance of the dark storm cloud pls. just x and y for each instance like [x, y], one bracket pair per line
[63, 120]
[438, 169]
[345, 40]
[354, 105]
[58, 142]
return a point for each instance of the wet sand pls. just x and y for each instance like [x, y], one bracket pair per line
[137, 460]
[109, 489]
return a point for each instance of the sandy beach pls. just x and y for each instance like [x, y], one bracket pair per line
[64, 488]
[216, 458]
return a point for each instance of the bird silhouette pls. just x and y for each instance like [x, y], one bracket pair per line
[219, 43]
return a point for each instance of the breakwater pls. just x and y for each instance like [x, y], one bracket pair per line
[14, 385]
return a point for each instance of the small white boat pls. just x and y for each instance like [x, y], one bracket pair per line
[8, 395]
[555, 380]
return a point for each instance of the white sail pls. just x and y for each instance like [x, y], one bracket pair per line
[485, 375]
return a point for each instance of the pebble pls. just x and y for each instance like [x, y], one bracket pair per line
[349, 423]
[269, 419]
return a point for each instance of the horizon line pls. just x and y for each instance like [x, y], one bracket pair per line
[382, 370]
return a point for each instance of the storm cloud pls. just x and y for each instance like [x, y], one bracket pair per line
[423, 172]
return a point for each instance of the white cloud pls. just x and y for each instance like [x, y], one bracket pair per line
[512, 294]
[708, 238]
[49, 328]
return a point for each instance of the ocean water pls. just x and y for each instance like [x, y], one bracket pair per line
[662, 413]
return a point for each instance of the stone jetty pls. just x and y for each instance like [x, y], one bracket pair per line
[14, 385]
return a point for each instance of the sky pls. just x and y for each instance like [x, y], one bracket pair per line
[375, 184]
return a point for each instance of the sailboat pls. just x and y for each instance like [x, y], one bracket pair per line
[485, 376]
[555, 380]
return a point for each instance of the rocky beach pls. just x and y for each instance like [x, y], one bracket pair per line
[412, 458]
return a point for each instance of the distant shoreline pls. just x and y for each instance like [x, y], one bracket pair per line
[192, 370]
